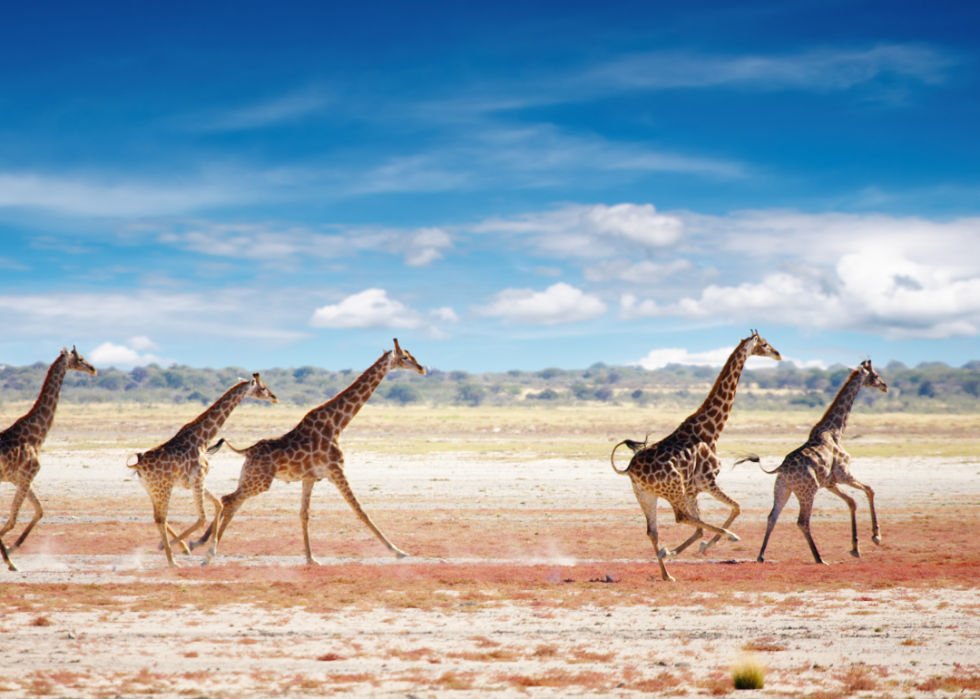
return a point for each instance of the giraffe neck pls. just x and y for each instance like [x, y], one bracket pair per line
[37, 423]
[341, 409]
[205, 426]
[709, 420]
[835, 419]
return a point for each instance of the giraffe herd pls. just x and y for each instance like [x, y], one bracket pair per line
[677, 468]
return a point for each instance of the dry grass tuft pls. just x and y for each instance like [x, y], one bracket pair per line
[748, 673]
[41, 621]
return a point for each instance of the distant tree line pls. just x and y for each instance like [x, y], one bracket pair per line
[928, 387]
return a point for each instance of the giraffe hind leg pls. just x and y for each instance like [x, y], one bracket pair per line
[781, 493]
[692, 505]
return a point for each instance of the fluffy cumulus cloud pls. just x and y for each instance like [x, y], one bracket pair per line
[108, 354]
[370, 308]
[591, 232]
[559, 303]
[897, 278]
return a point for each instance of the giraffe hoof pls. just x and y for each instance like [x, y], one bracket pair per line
[876, 539]
[401, 554]
[206, 561]
[12, 567]
[174, 564]
[734, 537]
[669, 578]
[760, 559]
[312, 562]
[702, 548]
[856, 553]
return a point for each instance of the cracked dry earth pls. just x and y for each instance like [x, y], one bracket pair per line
[530, 577]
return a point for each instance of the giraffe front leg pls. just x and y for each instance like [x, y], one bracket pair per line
[38, 513]
[336, 475]
[875, 532]
[852, 506]
[720, 495]
[304, 518]
[692, 504]
[217, 512]
[6, 557]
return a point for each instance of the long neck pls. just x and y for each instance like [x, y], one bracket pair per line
[205, 426]
[710, 418]
[341, 409]
[37, 423]
[835, 419]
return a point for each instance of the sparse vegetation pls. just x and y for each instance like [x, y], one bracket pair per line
[928, 388]
[748, 673]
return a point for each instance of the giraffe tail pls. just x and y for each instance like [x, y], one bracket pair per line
[139, 457]
[755, 458]
[631, 445]
[220, 443]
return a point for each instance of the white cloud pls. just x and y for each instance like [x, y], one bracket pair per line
[590, 232]
[108, 354]
[275, 111]
[895, 277]
[279, 244]
[645, 273]
[446, 314]
[659, 358]
[370, 308]
[559, 303]
[142, 342]
[820, 71]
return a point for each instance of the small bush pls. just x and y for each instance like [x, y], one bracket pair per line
[748, 673]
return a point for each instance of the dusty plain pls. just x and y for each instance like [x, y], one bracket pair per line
[530, 574]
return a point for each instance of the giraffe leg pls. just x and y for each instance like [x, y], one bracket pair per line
[6, 558]
[173, 540]
[781, 493]
[217, 511]
[38, 513]
[197, 491]
[15, 505]
[720, 495]
[875, 532]
[336, 475]
[255, 478]
[304, 518]
[648, 503]
[160, 519]
[803, 521]
[692, 504]
[852, 506]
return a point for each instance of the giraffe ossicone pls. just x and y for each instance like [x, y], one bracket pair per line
[20, 445]
[821, 462]
[182, 461]
[309, 453]
[685, 463]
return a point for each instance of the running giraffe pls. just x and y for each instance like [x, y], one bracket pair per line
[822, 463]
[309, 453]
[20, 444]
[182, 461]
[684, 464]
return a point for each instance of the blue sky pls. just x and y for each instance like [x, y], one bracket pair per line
[503, 185]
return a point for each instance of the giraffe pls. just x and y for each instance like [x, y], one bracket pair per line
[182, 461]
[822, 463]
[20, 445]
[684, 464]
[309, 453]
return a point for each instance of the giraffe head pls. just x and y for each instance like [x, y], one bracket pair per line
[761, 348]
[76, 362]
[259, 391]
[402, 359]
[871, 378]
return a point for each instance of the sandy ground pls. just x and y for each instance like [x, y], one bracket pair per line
[77, 620]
